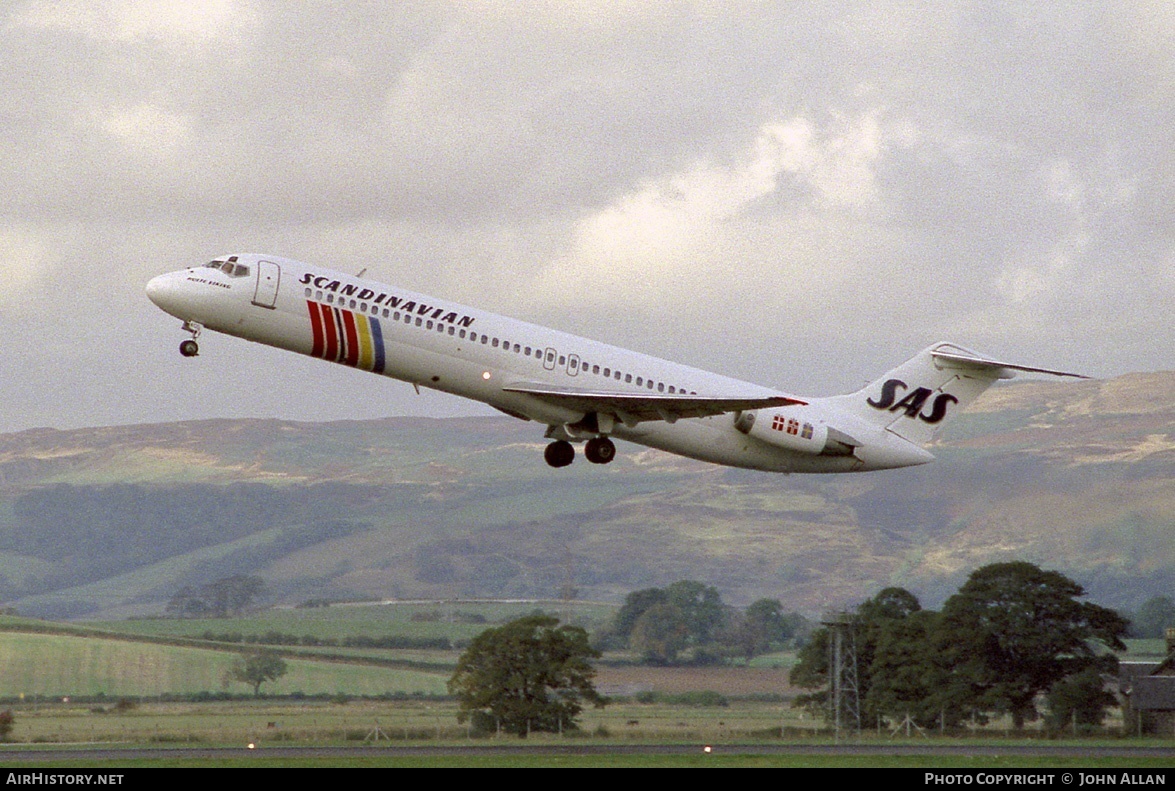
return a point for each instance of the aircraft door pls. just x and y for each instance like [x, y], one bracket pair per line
[549, 357]
[268, 277]
[573, 365]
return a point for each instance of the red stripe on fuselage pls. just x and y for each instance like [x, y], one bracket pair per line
[352, 338]
[331, 349]
[315, 328]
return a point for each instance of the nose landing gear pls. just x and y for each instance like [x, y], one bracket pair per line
[190, 348]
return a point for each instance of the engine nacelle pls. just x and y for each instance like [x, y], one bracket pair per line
[787, 428]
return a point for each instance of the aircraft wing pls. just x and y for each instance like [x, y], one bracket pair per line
[633, 408]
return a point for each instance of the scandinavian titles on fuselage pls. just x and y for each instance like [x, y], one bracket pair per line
[386, 300]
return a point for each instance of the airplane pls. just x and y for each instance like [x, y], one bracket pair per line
[583, 391]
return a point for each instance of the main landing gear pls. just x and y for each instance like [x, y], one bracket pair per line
[598, 450]
[190, 348]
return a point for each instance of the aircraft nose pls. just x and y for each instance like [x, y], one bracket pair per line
[168, 293]
[155, 287]
[158, 289]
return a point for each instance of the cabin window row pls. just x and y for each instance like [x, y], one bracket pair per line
[496, 343]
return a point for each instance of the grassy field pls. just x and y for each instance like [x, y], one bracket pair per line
[457, 621]
[318, 702]
[618, 736]
[55, 666]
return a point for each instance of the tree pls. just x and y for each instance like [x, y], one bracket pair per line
[909, 675]
[1014, 630]
[257, 668]
[873, 619]
[701, 608]
[635, 605]
[187, 603]
[526, 676]
[1079, 699]
[224, 597]
[760, 627]
[659, 634]
[232, 595]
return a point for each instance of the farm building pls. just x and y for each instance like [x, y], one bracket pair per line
[1149, 692]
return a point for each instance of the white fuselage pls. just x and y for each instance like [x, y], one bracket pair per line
[472, 353]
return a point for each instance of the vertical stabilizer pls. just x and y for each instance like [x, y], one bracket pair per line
[916, 398]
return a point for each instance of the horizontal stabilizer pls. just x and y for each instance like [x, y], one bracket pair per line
[969, 361]
[632, 408]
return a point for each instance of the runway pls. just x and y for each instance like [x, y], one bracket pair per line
[10, 756]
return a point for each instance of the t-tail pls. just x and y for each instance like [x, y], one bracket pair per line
[915, 399]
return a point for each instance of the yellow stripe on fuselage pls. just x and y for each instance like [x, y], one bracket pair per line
[366, 350]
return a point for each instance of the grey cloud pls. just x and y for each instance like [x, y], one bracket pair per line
[1017, 199]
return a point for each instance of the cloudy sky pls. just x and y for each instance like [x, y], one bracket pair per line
[798, 194]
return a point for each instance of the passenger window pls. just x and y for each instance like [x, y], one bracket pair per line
[307, 293]
[660, 387]
[452, 330]
[495, 344]
[627, 377]
[429, 325]
[595, 369]
[419, 321]
[639, 381]
[318, 295]
[330, 298]
[462, 333]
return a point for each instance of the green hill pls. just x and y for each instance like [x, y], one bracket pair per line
[112, 521]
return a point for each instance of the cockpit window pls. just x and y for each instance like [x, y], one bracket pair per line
[229, 268]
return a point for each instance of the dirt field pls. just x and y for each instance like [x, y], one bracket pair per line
[731, 681]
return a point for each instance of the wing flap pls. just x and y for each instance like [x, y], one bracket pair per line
[633, 408]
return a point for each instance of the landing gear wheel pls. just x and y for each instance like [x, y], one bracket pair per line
[559, 453]
[600, 450]
[189, 348]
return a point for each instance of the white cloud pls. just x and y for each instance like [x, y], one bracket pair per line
[24, 260]
[182, 23]
[771, 214]
[146, 129]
